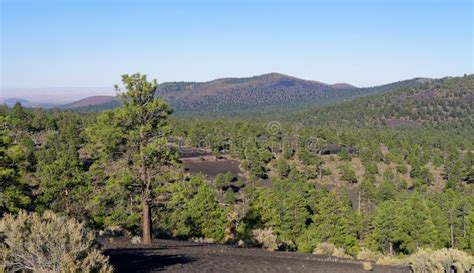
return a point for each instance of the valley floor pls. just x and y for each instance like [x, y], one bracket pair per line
[183, 256]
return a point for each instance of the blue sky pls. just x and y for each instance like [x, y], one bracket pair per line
[91, 43]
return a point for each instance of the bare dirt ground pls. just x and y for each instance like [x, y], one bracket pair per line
[212, 168]
[183, 256]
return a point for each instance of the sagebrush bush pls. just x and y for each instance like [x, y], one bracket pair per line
[136, 240]
[203, 240]
[266, 238]
[422, 262]
[391, 260]
[324, 249]
[367, 266]
[367, 254]
[49, 243]
[331, 250]
[440, 261]
[113, 231]
[341, 253]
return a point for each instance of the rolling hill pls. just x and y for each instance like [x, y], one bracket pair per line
[272, 92]
[12, 101]
[448, 101]
[94, 103]
[265, 93]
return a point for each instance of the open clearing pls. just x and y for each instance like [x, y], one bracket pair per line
[213, 167]
[184, 256]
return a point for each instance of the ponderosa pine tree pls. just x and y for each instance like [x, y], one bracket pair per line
[19, 117]
[143, 116]
[142, 140]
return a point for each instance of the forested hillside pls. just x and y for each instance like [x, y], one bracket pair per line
[445, 102]
[267, 93]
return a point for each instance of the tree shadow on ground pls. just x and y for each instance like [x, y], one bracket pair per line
[141, 260]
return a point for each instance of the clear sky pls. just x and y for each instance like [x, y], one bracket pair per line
[91, 43]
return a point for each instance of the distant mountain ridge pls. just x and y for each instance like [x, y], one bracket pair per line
[13, 101]
[233, 96]
[103, 101]
[264, 93]
[443, 102]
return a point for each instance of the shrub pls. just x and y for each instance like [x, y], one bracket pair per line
[266, 238]
[341, 253]
[202, 240]
[282, 168]
[366, 254]
[422, 262]
[367, 266]
[347, 174]
[113, 231]
[326, 172]
[229, 196]
[136, 240]
[324, 249]
[390, 260]
[331, 250]
[49, 243]
[402, 168]
[442, 260]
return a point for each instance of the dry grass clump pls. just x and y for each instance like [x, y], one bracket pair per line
[202, 240]
[114, 231]
[324, 249]
[369, 255]
[331, 250]
[391, 260]
[440, 261]
[341, 253]
[136, 240]
[367, 266]
[49, 243]
[266, 238]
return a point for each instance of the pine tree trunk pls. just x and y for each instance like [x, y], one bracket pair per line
[358, 201]
[66, 193]
[463, 222]
[452, 235]
[146, 240]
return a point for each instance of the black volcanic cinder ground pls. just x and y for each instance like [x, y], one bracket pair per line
[213, 168]
[183, 256]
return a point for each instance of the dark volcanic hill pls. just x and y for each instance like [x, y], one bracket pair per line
[237, 94]
[443, 102]
[269, 92]
[99, 102]
[265, 93]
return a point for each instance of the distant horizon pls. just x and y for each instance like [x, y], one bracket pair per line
[224, 77]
